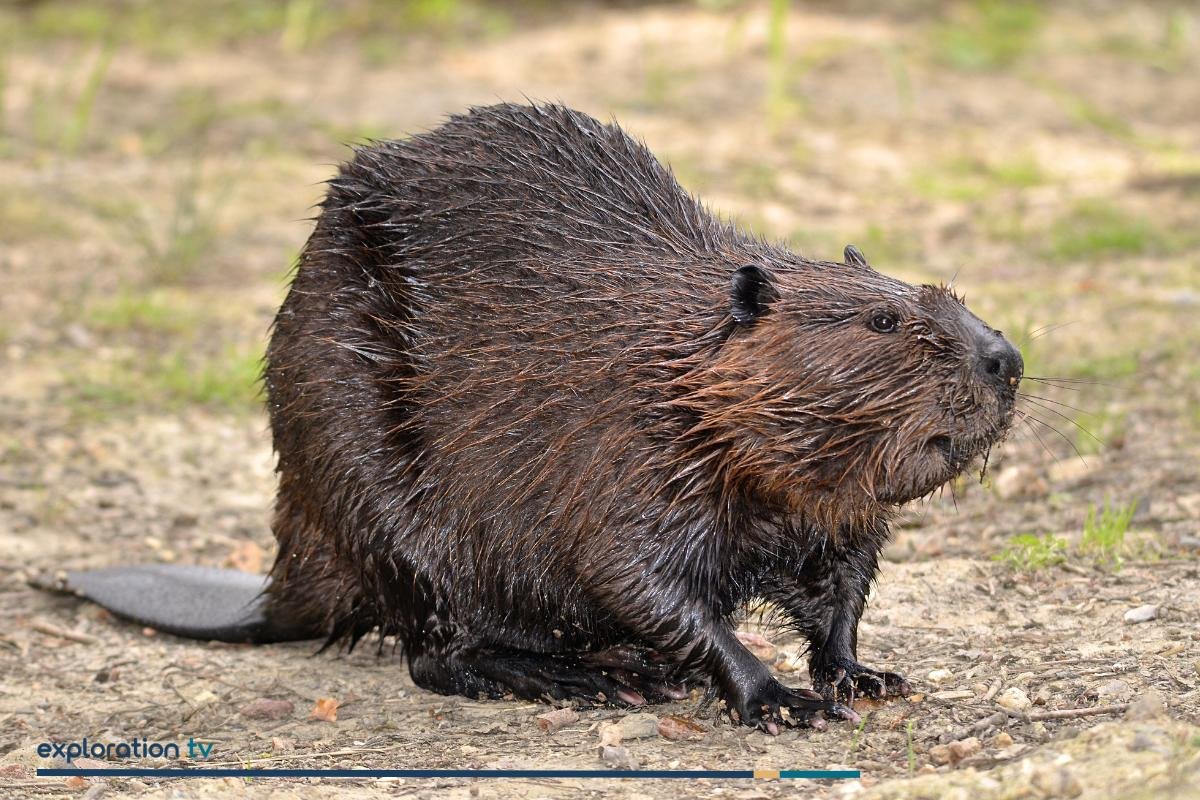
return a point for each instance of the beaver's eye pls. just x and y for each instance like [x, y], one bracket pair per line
[883, 322]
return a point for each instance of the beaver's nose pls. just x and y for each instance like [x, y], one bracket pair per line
[999, 361]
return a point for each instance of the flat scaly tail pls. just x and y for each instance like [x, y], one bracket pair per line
[224, 605]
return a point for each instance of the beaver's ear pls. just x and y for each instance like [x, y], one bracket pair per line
[750, 294]
[854, 257]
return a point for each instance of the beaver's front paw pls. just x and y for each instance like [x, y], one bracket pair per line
[763, 705]
[844, 679]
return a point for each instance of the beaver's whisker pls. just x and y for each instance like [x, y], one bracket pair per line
[1061, 435]
[1019, 431]
[1052, 385]
[1045, 329]
[1024, 429]
[953, 494]
[1028, 418]
[1027, 396]
[1068, 419]
[1057, 379]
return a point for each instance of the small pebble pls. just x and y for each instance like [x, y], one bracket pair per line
[1072, 470]
[1141, 614]
[638, 726]
[954, 752]
[964, 748]
[1149, 706]
[940, 676]
[1115, 690]
[266, 708]
[1019, 481]
[1014, 699]
[617, 757]
[786, 661]
[1002, 739]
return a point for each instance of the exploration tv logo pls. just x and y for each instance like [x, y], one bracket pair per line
[134, 748]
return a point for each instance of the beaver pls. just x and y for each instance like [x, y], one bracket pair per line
[550, 424]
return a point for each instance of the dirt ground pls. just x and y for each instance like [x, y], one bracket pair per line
[158, 170]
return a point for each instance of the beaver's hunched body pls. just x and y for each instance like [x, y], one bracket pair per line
[547, 422]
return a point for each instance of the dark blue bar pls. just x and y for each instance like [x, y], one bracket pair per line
[202, 772]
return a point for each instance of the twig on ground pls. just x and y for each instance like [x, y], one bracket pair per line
[42, 626]
[1001, 718]
[1068, 713]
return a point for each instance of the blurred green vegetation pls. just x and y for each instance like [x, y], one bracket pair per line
[157, 312]
[31, 216]
[876, 125]
[1103, 542]
[176, 27]
[1166, 52]
[1029, 553]
[986, 34]
[969, 178]
[62, 113]
[226, 380]
[1096, 228]
[169, 347]
[172, 241]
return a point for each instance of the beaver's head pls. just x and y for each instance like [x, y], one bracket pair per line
[856, 391]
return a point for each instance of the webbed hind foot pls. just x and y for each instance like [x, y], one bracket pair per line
[617, 676]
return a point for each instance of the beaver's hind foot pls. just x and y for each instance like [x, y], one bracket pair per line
[620, 677]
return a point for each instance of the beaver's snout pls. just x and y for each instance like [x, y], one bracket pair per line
[998, 361]
[995, 361]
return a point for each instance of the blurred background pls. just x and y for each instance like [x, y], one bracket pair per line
[159, 166]
[160, 163]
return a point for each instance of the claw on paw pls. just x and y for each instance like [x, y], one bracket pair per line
[845, 680]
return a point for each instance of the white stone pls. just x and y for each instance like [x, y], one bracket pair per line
[1014, 699]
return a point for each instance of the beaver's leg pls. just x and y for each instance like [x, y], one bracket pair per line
[694, 636]
[824, 598]
[750, 692]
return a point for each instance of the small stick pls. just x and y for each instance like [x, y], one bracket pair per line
[41, 626]
[1069, 713]
[998, 719]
